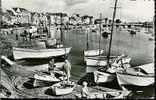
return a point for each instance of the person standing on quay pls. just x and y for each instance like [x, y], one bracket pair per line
[67, 68]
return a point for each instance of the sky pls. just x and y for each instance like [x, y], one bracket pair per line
[128, 10]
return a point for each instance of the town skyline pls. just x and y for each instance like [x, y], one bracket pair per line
[139, 10]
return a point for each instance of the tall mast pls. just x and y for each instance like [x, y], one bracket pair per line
[0, 14]
[49, 26]
[87, 40]
[110, 43]
[61, 28]
[100, 33]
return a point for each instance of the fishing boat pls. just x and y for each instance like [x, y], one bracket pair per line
[63, 88]
[96, 52]
[148, 68]
[126, 79]
[91, 53]
[107, 73]
[102, 60]
[42, 67]
[23, 53]
[106, 32]
[136, 76]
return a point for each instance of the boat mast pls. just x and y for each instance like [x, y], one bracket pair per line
[100, 33]
[0, 14]
[87, 40]
[110, 43]
[61, 15]
[49, 26]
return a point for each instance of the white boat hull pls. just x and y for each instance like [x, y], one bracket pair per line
[95, 61]
[23, 53]
[149, 68]
[57, 89]
[40, 80]
[136, 80]
[46, 78]
[93, 52]
[103, 77]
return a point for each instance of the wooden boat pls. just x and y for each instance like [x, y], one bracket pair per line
[102, 77]
[137, 76]
[43, 67]
[89, 53]
[23, 53]
[62, 88]
[92, 53]
[40, 80]
[148, 68]
[106, 72]
[102, 60]
[125, 79]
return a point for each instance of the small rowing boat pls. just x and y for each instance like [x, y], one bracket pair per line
[43, 79]
[63, 88]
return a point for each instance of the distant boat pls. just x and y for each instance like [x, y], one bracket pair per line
[106, 32]
[151, 38]
[62, 88]
[135, 77]
[132, 31]
[24, 53]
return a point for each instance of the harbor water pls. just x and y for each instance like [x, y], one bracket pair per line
[137, 46]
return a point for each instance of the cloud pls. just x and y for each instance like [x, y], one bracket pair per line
[130, 10]
[74, 2]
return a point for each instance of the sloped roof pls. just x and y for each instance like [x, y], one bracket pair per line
[10, 13]
[21, 9]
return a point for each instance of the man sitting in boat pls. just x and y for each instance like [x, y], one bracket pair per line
[67, 68]
[84, 91]
[51, 67]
